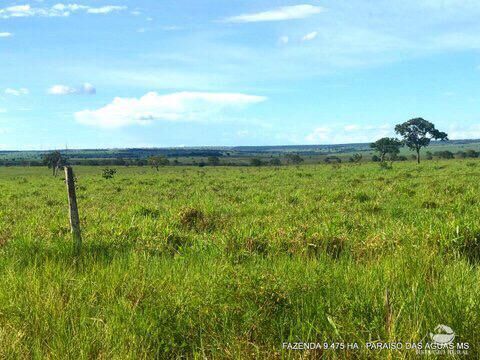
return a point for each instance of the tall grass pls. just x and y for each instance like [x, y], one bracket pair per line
[233, 262]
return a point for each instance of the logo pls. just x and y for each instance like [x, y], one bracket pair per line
[442, 341]
[443, 336]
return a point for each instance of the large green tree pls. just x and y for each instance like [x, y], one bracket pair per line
[386, 146]
[417, 133]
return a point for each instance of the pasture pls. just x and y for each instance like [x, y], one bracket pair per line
[224, 263]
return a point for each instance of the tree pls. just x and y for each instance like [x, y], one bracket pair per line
[386, 146]
[332, 159]
[256, 162]
[157, 161]
[472, 153]
[417, 133]
[214, 160]
[356, 158]
[54, 160]
[444, 154]
[275, 162]
[294, 159]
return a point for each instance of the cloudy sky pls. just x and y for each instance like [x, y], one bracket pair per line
[147, 73]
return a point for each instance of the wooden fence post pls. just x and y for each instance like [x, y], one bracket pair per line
[73, 210]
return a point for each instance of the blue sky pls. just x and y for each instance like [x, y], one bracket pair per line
[147, 73]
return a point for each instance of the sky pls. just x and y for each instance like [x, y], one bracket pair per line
[172, 73]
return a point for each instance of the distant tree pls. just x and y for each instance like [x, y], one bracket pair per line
[332, 159]
[386, 146]
[375, 158]
[213, 160]
[157, 161]
[444, 154]
[54, 160]
[256, 162]
[472, 153]
[417, 133]
[428, 155]
[294, 159]
[119, 162]
[356, 158]
[461, 154]
[275, 162]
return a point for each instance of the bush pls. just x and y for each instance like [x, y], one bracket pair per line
[294, 159]
[472, 153]
[444, 154]
[356, 158]
[332, 160]
[385, 166]
[108, 173]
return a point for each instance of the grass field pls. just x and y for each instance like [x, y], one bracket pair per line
[232, 262]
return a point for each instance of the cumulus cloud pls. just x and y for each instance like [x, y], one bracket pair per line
[180, 106]
[279, 14]
[310, 36]
[85, 89]
[55, 10]
[17, 92]
[5, 34]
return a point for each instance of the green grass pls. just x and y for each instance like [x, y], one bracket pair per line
[232, 262]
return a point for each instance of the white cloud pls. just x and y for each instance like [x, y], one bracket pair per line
[181, 106]
[279, 14]
[85, 89]
[310, 36]
[17, 92]
[463, 131]
[284, 40]
[57, 10]
[106, 9]
[5, 34]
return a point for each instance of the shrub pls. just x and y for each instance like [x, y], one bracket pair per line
[108, 173]
[294, 159]
[385, 166]
[356, 158]
[444, 154]
[472, 153]
[332, 160]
